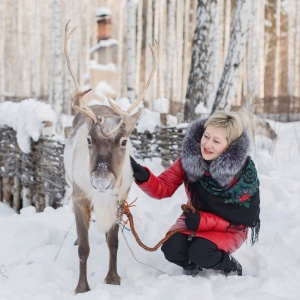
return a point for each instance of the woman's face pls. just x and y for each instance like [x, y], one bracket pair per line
[213, 142]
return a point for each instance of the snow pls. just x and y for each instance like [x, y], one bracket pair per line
[107, 67]
[162, 105]
[103, 11]
[103, 88]
[103, 44]
[27, 119]
[38, 259]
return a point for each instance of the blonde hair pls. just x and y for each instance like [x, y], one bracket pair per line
[229, 121]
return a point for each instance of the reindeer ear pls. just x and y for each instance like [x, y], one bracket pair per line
[131, 121]
[87, 120]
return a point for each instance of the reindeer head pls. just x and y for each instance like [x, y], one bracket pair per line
[108, 129]
[108, 152]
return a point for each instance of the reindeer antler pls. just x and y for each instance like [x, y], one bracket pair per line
[78, 102]
[155, 54]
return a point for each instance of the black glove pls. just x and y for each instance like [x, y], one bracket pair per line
[192, 220]
[139, 173]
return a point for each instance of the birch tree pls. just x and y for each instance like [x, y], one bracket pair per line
[57, 100]
[45, 43]
[252, 55]
[293, 47]
[2, 65]
[277, 51]
[170, 46]
[261, 52]
[19, 54]
[297, 49]
[219, 32]
[34, 50]
[155, 36]
[149, 40]
[131, 49]
[161, 37]
[291, 40]
[227, 23]
[139, 45]
[71, 12]
[230, 76]
[201, 78]
[179, 49]
[186, 62]
[120, 48]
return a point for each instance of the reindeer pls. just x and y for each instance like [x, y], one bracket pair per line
[97, 163]
[256, 125]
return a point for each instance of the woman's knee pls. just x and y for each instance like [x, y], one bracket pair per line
[204, 253]
[175, 248]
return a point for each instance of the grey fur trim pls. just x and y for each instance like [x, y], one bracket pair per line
[224, 168]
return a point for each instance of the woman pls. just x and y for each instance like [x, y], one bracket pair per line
[221, 183]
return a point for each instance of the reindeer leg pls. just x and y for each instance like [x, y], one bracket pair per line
[112, 240]
[82, 215]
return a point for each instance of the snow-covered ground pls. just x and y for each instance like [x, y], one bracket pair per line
[38, 259]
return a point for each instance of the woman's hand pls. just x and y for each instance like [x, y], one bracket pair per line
[192, 220]
[139, 173]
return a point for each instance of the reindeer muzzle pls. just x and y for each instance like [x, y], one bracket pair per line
[103, 181]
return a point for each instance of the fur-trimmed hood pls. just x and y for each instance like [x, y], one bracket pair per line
[224, 168]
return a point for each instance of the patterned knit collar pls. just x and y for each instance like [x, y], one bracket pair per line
[224, 168]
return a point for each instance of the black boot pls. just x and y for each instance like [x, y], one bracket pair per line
[192, 269]
[229, 265]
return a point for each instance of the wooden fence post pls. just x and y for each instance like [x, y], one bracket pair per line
[46, 133]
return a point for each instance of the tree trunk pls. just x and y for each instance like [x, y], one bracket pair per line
[155, 36]
[227, 23]
[162, 36]
[131, 49]
[177, 95]
[186, 61]
[230, 76]
[2, 65]
[139, 45]
[277, 51]
[33, 52]
[120, 66]
[219, 31]
[149, 40]
[57, 59]
[201, 78]
[170, 47]
[261, 52]
[297, 50]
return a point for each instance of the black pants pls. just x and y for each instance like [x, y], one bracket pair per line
[202, 252]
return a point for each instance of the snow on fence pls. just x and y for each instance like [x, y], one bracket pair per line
[35, 178]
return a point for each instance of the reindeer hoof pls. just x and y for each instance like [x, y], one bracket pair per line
[82, 288]
[114, 279]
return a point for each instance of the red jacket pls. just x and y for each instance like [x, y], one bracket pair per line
[211, 226]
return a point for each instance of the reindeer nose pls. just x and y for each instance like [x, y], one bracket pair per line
[102, 181]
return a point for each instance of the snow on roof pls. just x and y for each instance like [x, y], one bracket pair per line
[103, 11]
[103, 44]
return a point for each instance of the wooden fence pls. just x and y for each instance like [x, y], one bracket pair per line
[38, 178]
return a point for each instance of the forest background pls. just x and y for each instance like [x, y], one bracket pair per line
[200, 44]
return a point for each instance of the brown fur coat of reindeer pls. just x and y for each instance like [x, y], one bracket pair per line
[255, 125]
[97, 164]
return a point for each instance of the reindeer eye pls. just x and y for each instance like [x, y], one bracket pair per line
[89, 141]
[123, 142]
[101, 120]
